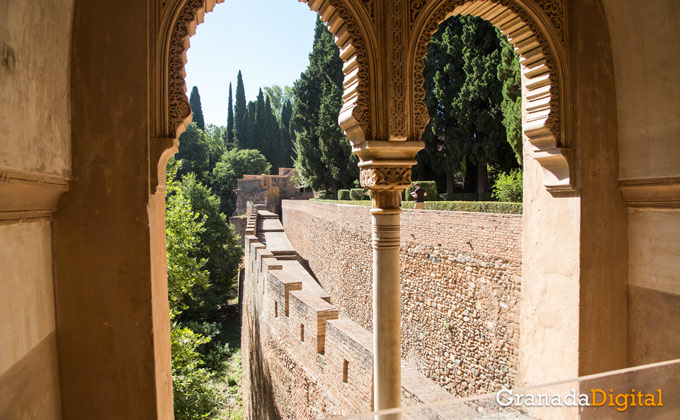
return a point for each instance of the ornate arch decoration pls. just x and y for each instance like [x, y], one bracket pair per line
[536, 28]
[351, 23]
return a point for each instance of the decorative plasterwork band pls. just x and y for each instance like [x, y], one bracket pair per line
[541, 72]
[651, 192]
[28, 195]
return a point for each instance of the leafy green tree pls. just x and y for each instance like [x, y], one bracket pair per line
[444, 78]
[258, 132]
[194, 152]
[509, 74]
[324, 157]
[219, 246]
[286, 153]
[278, 96]
[272, 141]
[230, 119]
[232, 166]
[196, 109]
[464, 96]
[509, 187]
[241, 134]
[183, 228]
[194, 395]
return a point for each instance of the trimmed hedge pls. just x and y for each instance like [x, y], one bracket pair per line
[430, 188]
[343, 194]
[468, 197]
[358, 194]
[471, 206]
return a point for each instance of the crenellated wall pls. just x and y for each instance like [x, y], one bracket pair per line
[460, 282]
[302, 357]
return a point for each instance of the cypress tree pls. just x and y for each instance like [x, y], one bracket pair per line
[230, 119]
[272, 137]
[509, 75]
[241, 115]
[196, 109]
[464, 97]
[285, 137]
[259, 126]
[324, 155]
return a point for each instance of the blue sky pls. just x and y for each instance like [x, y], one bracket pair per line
[268, 40]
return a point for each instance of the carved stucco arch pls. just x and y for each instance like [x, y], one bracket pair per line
[350, 22]
[537, 31]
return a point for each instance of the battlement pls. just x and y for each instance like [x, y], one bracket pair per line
[300, 332]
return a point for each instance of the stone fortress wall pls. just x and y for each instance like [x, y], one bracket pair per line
[302, 358]
[460, 282]
[306, 341]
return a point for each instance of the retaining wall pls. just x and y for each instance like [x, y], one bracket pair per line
[461, 275]
[302, 358]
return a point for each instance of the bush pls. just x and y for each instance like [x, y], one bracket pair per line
[471, 206]
[430, 188]
[325, 195]
[358, 194]
[508, 187]
[343, 195]
[194, 395]
[469, 197]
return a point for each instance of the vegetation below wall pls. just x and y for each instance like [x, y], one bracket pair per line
[471, 206]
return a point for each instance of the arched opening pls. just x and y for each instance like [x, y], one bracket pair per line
[539, 46]
[541, 77]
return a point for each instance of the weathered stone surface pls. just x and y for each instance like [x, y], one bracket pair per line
[460, 283]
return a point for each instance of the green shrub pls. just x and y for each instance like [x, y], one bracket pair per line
[508, 187]
[470, 197]
[194, 395]
[325, 195]
[358, 194]
[471, 206]
[430, 188]
[343, 195]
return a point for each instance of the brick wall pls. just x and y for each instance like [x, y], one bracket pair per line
[461, 276]
[302, 357]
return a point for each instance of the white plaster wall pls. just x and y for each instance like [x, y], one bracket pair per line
[35, 41]
[29, 378]
[654, 237]
[549, 308]
[26, 289]
[645, 41]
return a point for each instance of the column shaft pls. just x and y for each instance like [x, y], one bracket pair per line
[386, 302]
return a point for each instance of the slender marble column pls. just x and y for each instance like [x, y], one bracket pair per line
[386, 302]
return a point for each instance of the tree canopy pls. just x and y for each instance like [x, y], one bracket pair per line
[324, 156]
[196, 108]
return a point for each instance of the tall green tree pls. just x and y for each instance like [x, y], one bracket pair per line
[509, 74]
[196, 109]
[464, 97]
[259, 128]
[219, 246]
[230, 119]
[286, 143]
[323, 153]
[194, 152]
[241, 134]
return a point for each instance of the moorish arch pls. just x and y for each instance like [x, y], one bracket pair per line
[383, 45]
[351, 23]
[537, 31]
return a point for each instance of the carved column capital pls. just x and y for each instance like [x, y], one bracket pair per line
[382, 179]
